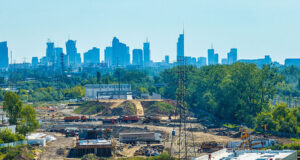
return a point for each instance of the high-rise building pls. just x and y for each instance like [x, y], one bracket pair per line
[108, 56]
[224, 61]
[146, 50]
[180, 48]
[3, 55]
[202, 61]
[137, 57]
[34, 61]
[50, 53]
[232, 56]
[211, 56]
[92, 56]
[74, 58]
[216, 59]
[120, 53]
[58, 53]
[167, 59]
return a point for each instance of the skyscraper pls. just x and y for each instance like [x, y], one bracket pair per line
[108, 56]
[167, 59]
[216, 58]
[3, 55]
[120, 53]
[74, 58]
[92, 56]
[232, 56]
[137, 57]
[50, 53]
[146, 49]
[34, 61]
[58, 53]
[180, 48]
[211, 56]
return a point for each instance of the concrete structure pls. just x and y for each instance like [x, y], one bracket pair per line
[108, 91]
[226, 154]
[101, 148]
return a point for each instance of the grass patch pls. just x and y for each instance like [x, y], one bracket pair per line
[89, 108]
[295, 139]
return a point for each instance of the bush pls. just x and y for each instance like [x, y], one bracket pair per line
[7, 136]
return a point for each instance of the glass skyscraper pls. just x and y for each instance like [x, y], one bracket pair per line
[3, 55]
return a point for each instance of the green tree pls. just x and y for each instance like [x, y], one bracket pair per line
[28, 122]
[13, 107]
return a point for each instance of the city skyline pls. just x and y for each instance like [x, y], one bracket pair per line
[256, 28]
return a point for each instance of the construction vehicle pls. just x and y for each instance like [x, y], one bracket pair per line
[75, 119]
[151, 120]
[128, 119]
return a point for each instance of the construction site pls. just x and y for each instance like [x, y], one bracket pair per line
[128, 128]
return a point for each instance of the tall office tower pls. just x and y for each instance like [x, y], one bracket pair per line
[50, 53]
[146, 49]
[224, 61]
[211, 56]
[180, 48]
[120, 53]
[167, 59]
[137, 57]
[193, 61]
[74, 58]
[92, 56]
[3, 55]
[216, 58]
[57, 59]
[232, 56]
[34, 61]
[108, 56]
[202, 61]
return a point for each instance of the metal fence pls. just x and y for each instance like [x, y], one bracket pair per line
[13, 144]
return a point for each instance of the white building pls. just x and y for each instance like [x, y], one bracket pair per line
[108, 91]
[226, 154]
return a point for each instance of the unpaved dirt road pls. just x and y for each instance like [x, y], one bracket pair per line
[58, 149]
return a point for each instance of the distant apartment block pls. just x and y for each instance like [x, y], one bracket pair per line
[258, 62]
[292, 61]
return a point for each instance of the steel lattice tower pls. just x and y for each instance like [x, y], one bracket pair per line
[185, 147]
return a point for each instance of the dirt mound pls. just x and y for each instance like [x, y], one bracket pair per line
[124, 109]
[93, 107]
[154, 108]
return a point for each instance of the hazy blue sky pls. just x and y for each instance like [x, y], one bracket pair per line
[255, 27]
